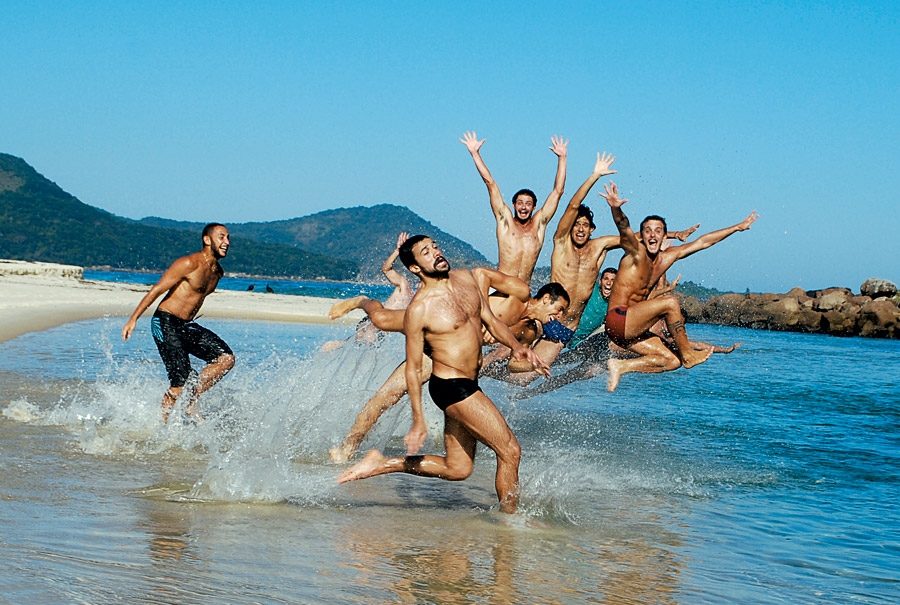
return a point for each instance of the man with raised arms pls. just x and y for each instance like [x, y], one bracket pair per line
[187, 283]
[511, 303]
[448, 313]
[632, 313]
[520, 231]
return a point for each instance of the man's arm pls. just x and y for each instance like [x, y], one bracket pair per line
[174, 274]
[506, 284]
[683, 234]
[397, 280]
[501, 211]
[601, 169]
[627, 238]
[413, 326]
[504, 335]
[546, 212]
[709, 239]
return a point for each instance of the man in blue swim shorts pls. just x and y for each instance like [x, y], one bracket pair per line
[187, 283]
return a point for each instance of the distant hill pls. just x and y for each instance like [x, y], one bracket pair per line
[365, 234]
[39, 221]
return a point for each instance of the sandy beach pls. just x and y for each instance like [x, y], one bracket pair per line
[38, 296]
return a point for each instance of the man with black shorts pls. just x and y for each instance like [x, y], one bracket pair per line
[187, 283]
[447, 313]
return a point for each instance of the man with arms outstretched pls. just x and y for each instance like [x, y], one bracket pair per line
[520, 231]
[187, 283]
[632, 313]
[448, 313]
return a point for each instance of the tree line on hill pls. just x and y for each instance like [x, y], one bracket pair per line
[39, 221]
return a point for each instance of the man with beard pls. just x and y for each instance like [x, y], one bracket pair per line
[632, 313]
[187, 283]
[520, 231]
[447, 314]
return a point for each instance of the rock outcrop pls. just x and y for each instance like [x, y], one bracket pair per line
[875, 312]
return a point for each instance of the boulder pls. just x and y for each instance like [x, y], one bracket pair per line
[880, 319]
[876, 288]
[835, 299]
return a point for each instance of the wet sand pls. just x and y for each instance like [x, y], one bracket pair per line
[38, 296]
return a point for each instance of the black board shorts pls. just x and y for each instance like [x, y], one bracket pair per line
[177, 338]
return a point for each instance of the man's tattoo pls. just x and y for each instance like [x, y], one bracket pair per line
[677, 327]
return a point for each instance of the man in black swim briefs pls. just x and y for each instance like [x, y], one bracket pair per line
[187, 283]
[448, 312]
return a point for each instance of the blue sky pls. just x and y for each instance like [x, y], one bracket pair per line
[239, 112]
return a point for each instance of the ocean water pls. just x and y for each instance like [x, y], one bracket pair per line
[770, 475]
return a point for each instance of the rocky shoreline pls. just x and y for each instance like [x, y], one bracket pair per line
[873, 313]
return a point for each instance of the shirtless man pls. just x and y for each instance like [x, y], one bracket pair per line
[520, 231]
[512, 304]
[632, 313]
[576, 262]
[187, 283]
[448, 313]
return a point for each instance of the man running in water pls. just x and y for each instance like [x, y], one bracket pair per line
[511, 303]
[632, 313]
[448, 314]
[520, 231]
[187, 283]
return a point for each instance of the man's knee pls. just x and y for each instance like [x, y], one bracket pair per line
[459, 470]
[510, 452]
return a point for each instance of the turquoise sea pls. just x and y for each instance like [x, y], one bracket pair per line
[770, 475]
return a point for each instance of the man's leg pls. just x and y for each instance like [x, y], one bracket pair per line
[654, 357]
[212, 373]
[643, 315]
[384, 399]
[475, 417]
[389, 320]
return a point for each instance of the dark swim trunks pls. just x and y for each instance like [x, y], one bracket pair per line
[615, 325]
[556, 332]
[447, 391]
[177, 338]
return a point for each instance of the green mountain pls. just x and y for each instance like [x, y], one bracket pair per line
[366, 234]
[41, 222]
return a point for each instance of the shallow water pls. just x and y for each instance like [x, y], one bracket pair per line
[770, 475]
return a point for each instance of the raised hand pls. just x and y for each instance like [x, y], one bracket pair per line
[604, 161]
[470, 140]
[559, 147]
[683, 235]
[745, 224]
[402, 238]
[612, 195]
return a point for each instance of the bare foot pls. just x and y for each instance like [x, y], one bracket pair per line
[364, 468]
[341, 453]
[695, 358]
[342, 307]
[614, 366]
[726, 349]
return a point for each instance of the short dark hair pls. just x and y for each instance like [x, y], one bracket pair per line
[526, 192]
[406, 250]
[587, 213]
[555, 290]
[612, 270]
[209, 229]
[654, 217]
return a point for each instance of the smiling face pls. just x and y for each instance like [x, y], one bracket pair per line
[606, 284]
[218, 241]
[653, 234]
[581, 231]
[548, 309]
[523, 207]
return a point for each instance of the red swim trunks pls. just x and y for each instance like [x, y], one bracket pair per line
[615, 325]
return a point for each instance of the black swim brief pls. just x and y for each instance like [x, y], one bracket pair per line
[177, 338]
[447, 391]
